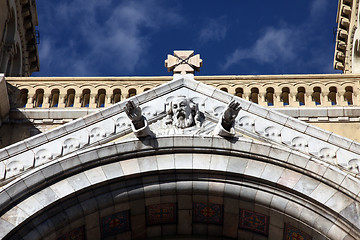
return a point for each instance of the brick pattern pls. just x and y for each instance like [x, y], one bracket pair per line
[292, 233]
[253, 221]
[161, 214]
[114, 224]
[208, 213]
[75, 234]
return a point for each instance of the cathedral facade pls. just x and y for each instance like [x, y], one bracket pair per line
[182, 157]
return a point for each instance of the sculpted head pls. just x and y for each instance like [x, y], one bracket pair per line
[182, 112]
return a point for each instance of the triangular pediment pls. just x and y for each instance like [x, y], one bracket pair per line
[111, 124]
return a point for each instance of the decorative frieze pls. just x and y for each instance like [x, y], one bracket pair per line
[108, 124]
[273, 91]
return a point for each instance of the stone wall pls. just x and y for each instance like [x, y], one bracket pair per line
[272, 91]
[328, 101]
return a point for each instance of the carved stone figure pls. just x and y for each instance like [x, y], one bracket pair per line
[183, 113]
[183, 117]
[228, 117]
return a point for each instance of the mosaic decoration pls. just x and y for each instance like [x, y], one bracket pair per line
[292, 233]
[76, 234]
[253, 221]
[161, 214]
[208, 213]
[114, 224]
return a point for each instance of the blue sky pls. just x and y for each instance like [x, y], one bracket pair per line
[233, 37]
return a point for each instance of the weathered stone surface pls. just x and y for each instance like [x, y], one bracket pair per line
[62, 188]
[112, 170]
[183, 161]
[201, 161]
[147, 164]
[306, 185]
[130, 166]
[95, 175]
[352, 213]
[270, 173]
[237, 165]
[289, 178]
[322, 193]
[254, 168]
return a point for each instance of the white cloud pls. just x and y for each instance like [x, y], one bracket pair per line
[102, 34]
[275, 45]
[292, 45]
[318, 7]
[45, 50]
[214, 29]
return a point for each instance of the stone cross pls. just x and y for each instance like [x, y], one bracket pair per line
[183, 62]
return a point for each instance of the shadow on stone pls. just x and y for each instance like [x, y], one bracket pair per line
[17, 127]
[150, 141]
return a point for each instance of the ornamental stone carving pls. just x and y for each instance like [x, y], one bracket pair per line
[327, 155]
[273, 133]
[121, 124]
[13, 168]
[183, 62]
[182, 117]
[43, 156]
[70, 144]
[97, 134]
[300, 144]
[354, 166]
[183, 113]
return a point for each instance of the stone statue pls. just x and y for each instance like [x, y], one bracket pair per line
[134, 114]
[183, 117]
[228, 117]
[183, 113]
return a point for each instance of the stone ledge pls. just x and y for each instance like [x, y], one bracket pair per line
[331, 112]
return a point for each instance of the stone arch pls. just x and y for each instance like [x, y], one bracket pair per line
[285, 96]
[269, 96]
[85, 97]
[69, 99]
[100, 98]
[54, 98]
[348, 95]
[225, 89]
[239, 92]
[131, 92]
[254, 95]
[332, 95]
[116, 96]
[301, 96]
[75, 191]
[23, 98]
[316, 95]
[38, 97]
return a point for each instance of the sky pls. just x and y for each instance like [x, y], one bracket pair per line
[233, 37]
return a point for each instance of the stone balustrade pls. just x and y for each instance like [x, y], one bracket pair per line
[273, 90]
[347, 22]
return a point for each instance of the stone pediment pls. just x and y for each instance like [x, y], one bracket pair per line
[112, 124]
